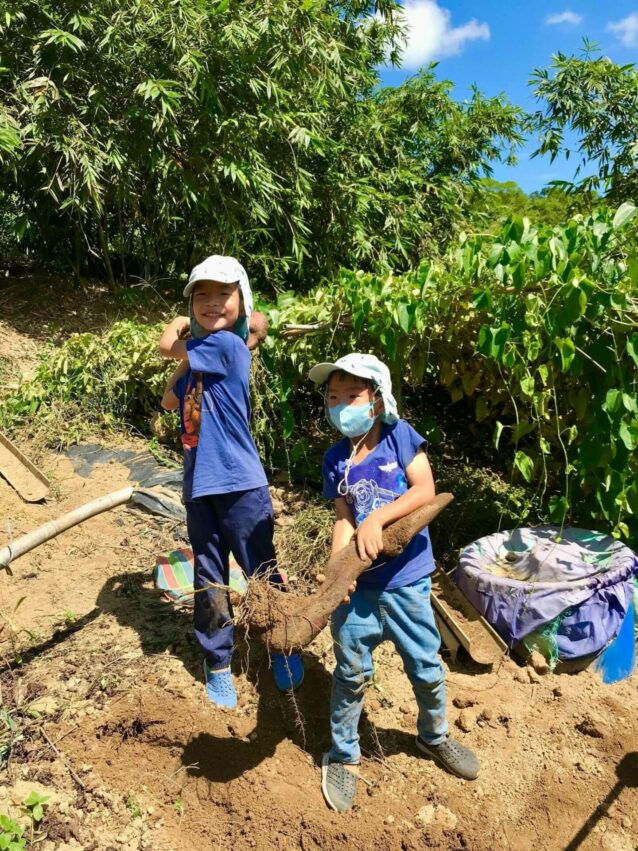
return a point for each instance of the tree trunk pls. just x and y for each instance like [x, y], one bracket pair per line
[104, 247]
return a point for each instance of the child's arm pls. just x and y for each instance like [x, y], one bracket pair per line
[420, 491]
[172, 344]
[342, 533]
[170, 402]
[344, 528]
[257, 330]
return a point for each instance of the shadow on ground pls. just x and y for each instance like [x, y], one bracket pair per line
[303, 717]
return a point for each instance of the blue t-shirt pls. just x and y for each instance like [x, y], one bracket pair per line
[378, 479]
[220, 455]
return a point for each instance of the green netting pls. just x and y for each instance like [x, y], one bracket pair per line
[544, 639]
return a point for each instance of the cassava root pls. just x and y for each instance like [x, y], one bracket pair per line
[288, 622]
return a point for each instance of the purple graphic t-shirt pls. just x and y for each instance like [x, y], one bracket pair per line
[378, 479]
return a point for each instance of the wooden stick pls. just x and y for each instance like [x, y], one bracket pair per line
[61, 758]
[294, 330]
[66, 521]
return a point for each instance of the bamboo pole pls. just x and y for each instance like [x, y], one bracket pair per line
[54, 527]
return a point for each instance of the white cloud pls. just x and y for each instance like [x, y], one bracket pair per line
[565, 17]
[431, 34]
[626, 30]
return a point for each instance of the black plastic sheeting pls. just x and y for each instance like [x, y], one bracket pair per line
[143, 466]
[160, 489]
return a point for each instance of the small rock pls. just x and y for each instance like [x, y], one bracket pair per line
[626, 823]
[538, 662]
[446, 818]
[252, 736]
[520, 677]
[532, 675]
[425, 815]
[463, 702]
[45, 705]
[437, 816]
[557, 692]
[465, 721]
[405, 709]
[389, 820]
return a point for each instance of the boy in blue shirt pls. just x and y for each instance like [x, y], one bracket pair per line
[228, 505]
[378, 473]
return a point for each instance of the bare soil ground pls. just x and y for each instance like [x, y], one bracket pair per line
[104, 684]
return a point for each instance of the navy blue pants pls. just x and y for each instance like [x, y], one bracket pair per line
[241, 523]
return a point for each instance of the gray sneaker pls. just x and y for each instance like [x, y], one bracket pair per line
[453, 756]
[338, 784]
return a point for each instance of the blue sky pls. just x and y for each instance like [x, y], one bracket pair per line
[496, 45]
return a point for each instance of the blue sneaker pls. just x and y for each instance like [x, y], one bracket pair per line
[220, 688]
[287, 671]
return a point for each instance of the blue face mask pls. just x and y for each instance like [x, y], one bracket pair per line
[352, 420]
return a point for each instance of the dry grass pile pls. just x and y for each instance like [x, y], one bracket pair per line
[303, 535]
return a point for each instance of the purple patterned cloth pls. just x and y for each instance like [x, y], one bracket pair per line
[523, 579]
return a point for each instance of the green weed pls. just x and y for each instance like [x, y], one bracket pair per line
[133, 806]
[11, 835]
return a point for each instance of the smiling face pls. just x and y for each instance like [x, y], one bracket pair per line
[217, 306]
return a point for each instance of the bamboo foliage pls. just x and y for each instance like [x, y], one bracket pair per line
[137, 135]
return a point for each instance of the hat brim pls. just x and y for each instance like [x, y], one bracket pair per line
[320, 373]
[190, 286]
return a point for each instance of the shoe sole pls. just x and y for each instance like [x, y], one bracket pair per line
[325, 762]
[427, 752]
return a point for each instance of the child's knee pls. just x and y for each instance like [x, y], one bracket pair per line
[213, 604]
[427, 676]
[355, 674]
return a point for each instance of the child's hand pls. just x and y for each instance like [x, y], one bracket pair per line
[320, 577]
[171, 343]
[258, 330]
[369, 538]
[182, 326]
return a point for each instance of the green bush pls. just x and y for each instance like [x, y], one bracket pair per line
[113, 378]
[536, 327]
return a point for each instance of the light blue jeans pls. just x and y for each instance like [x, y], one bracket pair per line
[403, 616]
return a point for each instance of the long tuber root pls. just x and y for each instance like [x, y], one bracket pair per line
[289, 622]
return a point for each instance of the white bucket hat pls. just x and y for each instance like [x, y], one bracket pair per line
[226, 270]
[363, 366]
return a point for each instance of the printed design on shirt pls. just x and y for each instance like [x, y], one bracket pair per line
[192, 410]
[367, 496]
[389, 467]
